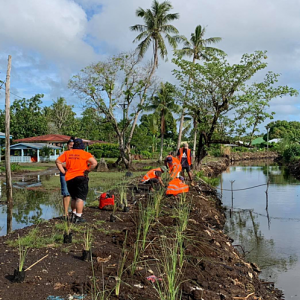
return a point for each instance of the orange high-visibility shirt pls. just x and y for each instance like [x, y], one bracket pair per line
[151, 174]
[175, 167]
[76, 162]
[188, 154]
[176, 186]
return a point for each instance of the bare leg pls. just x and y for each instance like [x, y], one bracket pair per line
[79, 206]
[66, 202]
[73, 205]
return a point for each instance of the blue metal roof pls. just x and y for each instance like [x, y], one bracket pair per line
[37, 146]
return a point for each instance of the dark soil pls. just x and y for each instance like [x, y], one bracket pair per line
[212, 268]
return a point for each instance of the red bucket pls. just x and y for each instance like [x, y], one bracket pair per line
[104, 200]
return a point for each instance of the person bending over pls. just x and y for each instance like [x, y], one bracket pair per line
[173, 165]
[78, 164]
[153, 177]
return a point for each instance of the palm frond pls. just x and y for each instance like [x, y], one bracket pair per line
[141, 36]
[143, 47]
[138, 27]
[172, 40]
[140, 12]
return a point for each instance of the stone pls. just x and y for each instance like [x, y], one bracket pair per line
[102, 166]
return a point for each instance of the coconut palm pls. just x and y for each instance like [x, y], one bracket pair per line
[157, 21]
[153, 128]
[164, 105]
[197, 48]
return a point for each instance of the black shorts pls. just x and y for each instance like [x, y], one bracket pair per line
[188, 169]
[78, 187]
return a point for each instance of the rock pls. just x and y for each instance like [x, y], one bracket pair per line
[102, 166]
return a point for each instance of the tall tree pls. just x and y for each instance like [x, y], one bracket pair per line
[196, 48]
[163, 103]
[62, 116]
[156, 25]
[28, 118]
[220, 89]
[108, 84]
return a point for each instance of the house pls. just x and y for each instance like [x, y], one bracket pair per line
[31, 152]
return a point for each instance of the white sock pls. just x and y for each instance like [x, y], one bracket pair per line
[74, 211]
[78, 215]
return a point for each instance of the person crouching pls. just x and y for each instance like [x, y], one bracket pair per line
[153, 177]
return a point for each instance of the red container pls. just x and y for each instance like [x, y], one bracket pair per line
[104, 201]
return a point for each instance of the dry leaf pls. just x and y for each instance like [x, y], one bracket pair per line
[103, 260]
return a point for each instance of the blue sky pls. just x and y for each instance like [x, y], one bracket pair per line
[50, 40]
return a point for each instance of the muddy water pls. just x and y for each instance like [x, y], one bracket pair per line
[31, 206]
[266, 229]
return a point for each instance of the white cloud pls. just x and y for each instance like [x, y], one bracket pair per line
[52, 39]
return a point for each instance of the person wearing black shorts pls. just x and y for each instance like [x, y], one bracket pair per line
[78, 164]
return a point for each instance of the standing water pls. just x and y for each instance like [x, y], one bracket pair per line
[266, 227]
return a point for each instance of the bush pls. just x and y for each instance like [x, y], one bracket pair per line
[146, 154]
[105, 150]
[291, 152]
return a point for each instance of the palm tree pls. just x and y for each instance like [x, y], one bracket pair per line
[163, 104]
[197, 48]
[156, 24]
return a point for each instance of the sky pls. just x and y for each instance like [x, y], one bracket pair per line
[51, 40]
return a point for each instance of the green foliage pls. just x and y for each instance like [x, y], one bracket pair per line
[214, 181]
[156, 21]
[146, 154]
[284, 129]
[291, 152]
[104, 150]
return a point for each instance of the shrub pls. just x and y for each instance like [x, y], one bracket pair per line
[104, 150]
[291, 152]
[146, 154]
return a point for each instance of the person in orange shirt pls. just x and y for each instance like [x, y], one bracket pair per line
[78, 164]
[153, 177]
[185, 157]
[63, 184]
[174, 166]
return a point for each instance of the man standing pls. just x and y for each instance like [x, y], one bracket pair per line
[78, 164]
[185, 158]
[63, 184]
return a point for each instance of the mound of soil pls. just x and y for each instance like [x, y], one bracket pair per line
[210, 267]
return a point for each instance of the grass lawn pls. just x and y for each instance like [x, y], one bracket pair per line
[106, 180]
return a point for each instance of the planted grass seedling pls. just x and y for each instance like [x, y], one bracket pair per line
[67, 232]
[19, 274]
[87, 250]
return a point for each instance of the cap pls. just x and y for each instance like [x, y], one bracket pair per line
[164, 168]
[181, 178]
[78, 144]
[169, 159]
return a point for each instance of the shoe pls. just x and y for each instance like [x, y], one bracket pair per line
[72, 217]
[78, 220]
[192, 183]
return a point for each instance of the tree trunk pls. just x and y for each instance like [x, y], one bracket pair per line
[7, 146]
[155, 64]
[183, 111]
[161, 148]
[195, 145]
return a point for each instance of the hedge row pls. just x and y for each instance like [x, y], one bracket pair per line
[104, 150]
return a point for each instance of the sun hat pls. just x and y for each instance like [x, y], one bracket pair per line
[78, 144]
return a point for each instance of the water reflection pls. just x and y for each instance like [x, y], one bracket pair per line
[244, 228]
[266, 221]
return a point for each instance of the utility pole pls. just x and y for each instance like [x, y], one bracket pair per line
[7, 148]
